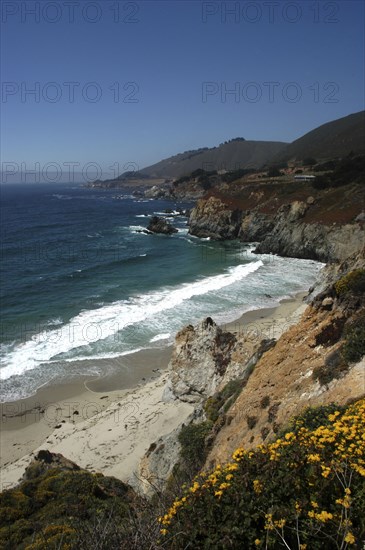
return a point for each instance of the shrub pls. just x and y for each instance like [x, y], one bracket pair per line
[313, 417]
[309, 161]
[41, 513]
[251, 421]
[321, 182]
[220, 402]
[264, 432]
[273, 172]
[273, 411]
[192, 440]
[352, 282]
[347, 171]
[334, 367]
[234, 175]
[354, 347]
[305, 490]
[265, 402]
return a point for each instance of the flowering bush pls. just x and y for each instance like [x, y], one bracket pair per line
[352, 282]
[306, 490]
[354, 346]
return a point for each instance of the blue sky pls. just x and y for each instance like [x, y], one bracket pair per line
[154, 78]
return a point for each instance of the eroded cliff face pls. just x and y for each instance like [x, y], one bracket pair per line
[213, 218]
[305, 368]
[290, 231]
[292, 236]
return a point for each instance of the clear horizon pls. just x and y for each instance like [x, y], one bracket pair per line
[127, 84]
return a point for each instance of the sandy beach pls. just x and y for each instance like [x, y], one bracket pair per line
[107, 424]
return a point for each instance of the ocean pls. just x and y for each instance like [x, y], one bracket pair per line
[80, 282]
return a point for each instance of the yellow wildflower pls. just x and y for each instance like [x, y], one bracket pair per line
[257, 486]
[324, 516]
[350, 538]
[280, 523]
[325, 471]
[314, 458]
[195, 487]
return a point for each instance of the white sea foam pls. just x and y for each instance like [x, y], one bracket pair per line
[111, 355]
[137, 228]
[159, 337]
[95, 325]
[57, 321]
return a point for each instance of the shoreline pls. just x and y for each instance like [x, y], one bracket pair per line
[78, 419]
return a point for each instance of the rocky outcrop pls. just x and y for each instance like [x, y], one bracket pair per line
[323, 288]
[285, 232]
[155, 192]
[213, 218]
[199, 361]
[291, 236]
[255, 227]
[160, 225]
[205, 358]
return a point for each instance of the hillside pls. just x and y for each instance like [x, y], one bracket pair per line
[232, 155]
[337, 138]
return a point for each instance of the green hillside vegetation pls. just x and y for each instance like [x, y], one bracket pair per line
[348, 170]
[57, 508]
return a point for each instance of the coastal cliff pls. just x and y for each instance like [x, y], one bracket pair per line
[317, 361]
[213, 218]
[297, 228]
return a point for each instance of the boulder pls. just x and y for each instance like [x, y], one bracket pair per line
[327, 302]
[159, 225]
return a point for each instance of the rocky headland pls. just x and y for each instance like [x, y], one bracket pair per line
[304, 226]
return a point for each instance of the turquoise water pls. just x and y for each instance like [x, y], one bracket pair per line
[80, 282]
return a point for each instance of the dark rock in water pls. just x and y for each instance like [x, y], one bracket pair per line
[159, 225]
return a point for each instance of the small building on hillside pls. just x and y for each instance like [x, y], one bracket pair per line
[304, 177]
